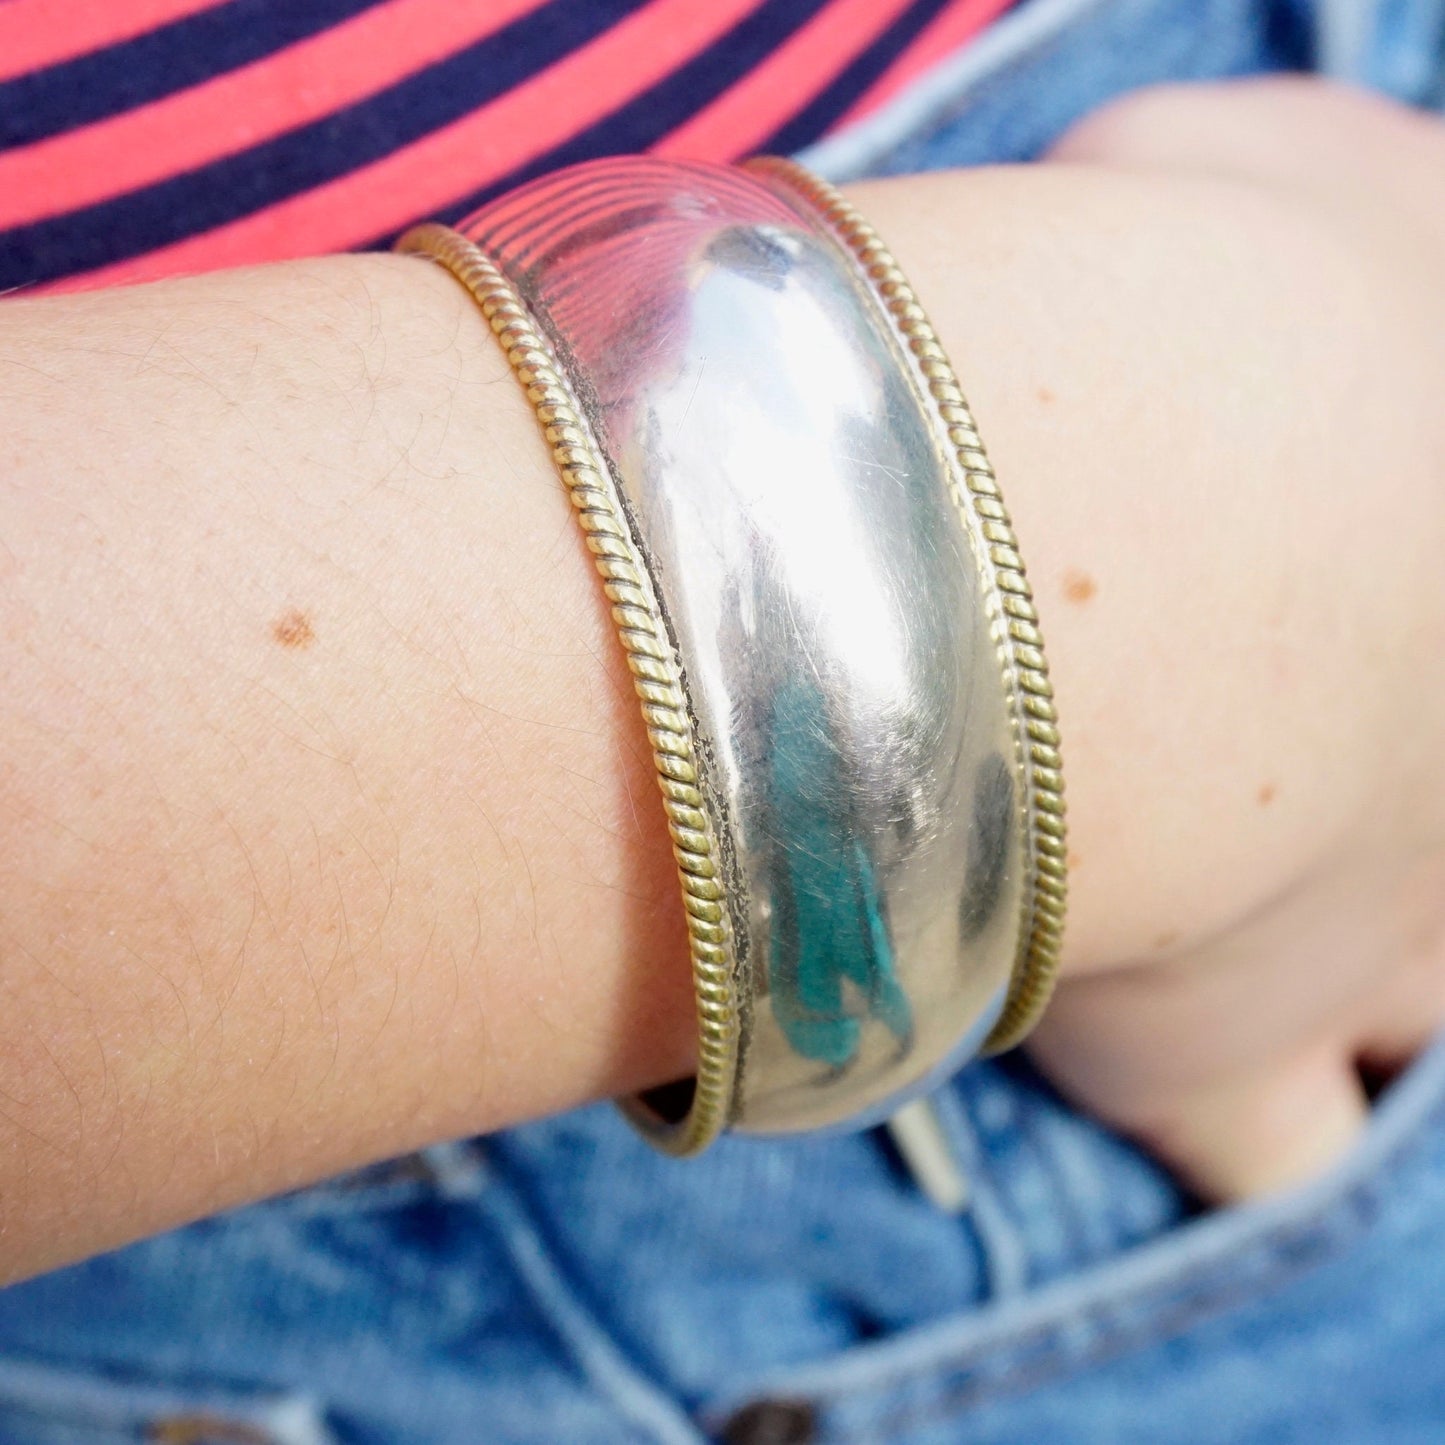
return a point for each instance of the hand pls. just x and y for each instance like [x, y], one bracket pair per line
[1225, 1026]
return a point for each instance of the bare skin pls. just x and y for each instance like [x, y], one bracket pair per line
[328, 829]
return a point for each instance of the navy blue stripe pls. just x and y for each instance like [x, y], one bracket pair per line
[172, 57]
[853, 81]
[304, 158]
[651, 114]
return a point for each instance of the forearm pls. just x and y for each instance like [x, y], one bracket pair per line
[323, 785]
[329, 826]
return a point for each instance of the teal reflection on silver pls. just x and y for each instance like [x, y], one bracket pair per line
[829, 923]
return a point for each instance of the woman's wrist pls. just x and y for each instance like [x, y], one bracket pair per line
[331, 829]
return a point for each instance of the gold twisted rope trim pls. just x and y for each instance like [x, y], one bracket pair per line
[1021, 644]
[656, 677]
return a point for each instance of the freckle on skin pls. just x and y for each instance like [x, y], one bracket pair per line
[1073, 859]
[1045, 395]
[293, 629]
[1266, 794]
[1166, 940]
[1079, 587]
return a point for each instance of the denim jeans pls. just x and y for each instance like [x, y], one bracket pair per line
[562, 1283]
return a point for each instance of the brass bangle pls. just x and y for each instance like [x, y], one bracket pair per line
[825, 614]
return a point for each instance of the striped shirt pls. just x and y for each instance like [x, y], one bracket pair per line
[147, 138]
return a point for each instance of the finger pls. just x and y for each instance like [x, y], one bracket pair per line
[1241, 1137]
[1406, 1009]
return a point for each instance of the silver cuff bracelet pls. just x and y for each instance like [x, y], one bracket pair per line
[825, 613]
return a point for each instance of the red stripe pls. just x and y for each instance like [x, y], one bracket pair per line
[740, 119]
[243, 108]
[421, 178]
[948, 33]
[37, 33]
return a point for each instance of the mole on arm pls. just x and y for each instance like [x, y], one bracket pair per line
[293, 629]
[1079, 587]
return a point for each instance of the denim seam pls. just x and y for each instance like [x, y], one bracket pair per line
[1039, 1354]
[646, 1406]
[61, 1395]
[1004, 1248]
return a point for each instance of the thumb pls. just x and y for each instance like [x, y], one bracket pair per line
[1255, 1133]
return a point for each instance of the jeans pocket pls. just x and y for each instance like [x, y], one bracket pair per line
[42, 1404]
[1312, 1315]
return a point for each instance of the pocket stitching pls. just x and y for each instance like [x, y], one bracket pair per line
[1311, 1227]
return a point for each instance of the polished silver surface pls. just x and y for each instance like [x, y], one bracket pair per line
[783, 475]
